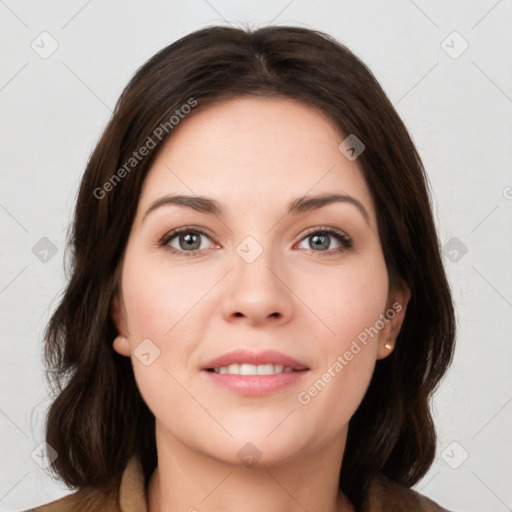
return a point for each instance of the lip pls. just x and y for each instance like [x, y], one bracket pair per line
[255, 385]
[265, 357]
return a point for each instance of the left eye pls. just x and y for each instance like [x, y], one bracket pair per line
[320, 241]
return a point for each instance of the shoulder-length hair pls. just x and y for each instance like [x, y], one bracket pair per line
[98, 419]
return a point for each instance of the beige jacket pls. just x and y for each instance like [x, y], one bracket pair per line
[384, 496]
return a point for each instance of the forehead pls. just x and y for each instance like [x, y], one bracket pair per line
[254, 151]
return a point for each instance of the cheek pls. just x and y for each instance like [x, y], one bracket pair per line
[351, 304]
[338, 384]
[162, 304]
[157, 296]
[335, 393]
[351, 299]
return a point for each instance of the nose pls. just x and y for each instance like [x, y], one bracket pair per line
[258, 292]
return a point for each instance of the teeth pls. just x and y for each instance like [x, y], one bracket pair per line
[265, 369]
[233, 368]
[253, 369]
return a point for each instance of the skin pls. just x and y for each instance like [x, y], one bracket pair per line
[253, 156]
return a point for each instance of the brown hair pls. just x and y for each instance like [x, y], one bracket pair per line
[98, 419]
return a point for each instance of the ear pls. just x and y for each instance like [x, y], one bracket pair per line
[121, 344]
[398, 298]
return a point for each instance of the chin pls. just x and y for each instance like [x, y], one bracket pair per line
[257, 452]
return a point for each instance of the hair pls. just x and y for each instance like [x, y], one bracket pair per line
[98, 419]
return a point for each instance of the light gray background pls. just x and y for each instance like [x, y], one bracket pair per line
[458, 109]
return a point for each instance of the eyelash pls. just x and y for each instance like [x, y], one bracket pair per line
[345, 241]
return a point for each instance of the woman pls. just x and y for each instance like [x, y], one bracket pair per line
[257, 314]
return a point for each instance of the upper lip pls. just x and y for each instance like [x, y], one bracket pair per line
[245, 356]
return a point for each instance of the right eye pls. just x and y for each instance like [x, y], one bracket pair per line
[185, 241]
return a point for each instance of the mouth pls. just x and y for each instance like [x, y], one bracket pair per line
[253, 369]
[249, 373]
[246, 362]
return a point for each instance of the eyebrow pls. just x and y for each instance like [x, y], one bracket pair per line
[302, 204]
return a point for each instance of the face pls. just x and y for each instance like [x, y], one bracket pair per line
[296, 293]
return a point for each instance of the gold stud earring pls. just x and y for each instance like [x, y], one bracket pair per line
[388, 345]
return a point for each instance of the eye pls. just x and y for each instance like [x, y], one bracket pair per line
[187, 241]
[320, 240]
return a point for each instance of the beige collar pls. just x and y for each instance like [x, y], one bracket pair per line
[132, 492]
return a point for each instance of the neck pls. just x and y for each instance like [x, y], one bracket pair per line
[188, 480]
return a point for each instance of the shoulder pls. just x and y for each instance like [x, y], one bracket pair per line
[84, 500]
[385, 495]
[127, 496]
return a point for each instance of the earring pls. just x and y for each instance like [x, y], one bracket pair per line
[388, 345]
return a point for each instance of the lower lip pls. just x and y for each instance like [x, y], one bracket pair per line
[256, 385]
